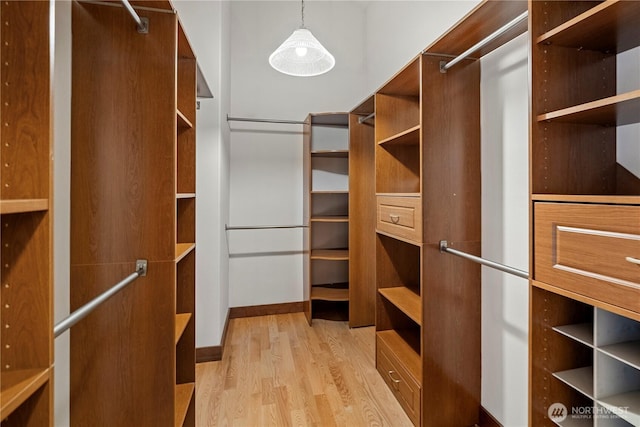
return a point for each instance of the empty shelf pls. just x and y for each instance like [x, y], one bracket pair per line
[615, 110]
[580, 379]
[403, 352]
[406, 300]
[182, 249]
[185, 196]
[337, 218]
[629, 401]
[626, 352]
[184, 392]
[18, 386]
[182, 121]
[182, 320]
[330, 153]
[330, 254]
[329, 294]
[23, 205]
[410, 136]
[581, 332]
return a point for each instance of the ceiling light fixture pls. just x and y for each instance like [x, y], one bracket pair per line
[302, 55]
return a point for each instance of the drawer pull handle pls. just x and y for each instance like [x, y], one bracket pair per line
[394, 218]
[396, 383]
[633, 260]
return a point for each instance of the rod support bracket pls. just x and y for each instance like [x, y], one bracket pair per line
[443, 246]
[443, 68]
[141, 267]
[143, 28]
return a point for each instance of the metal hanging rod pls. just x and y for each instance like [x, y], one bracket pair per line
[82, 312]
[511, 270]
[142, 23]
[444, 66]
[361, 120]
[246, 119]
[261, 227]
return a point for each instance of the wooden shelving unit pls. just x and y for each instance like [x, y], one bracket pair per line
[26, 316]
[427, 184]
[133, 196]
[584, 305]
[327, 212]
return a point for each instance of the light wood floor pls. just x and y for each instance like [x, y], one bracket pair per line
[279, 371]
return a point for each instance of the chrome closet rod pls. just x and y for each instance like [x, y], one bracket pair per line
[361, 120]
[246, 119]
[491, 37]
[261, 227]
[511, 270]
[142, 23]
[82, 312]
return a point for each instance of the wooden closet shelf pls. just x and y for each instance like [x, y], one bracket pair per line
[329, 218]
[330, 254]
[405, 82]
[183, 249]
[615, 110]
[608, 27]
[573, 198]
[581, 332]
[406, 300]
[185, 195]
[330, 192]
[409, 136]
[182, 121]
[402, 351]
[329, 294]
[18, 386]
[182, 319]
[581, 379]
[184, 393]
[330, 153]
[23, 205]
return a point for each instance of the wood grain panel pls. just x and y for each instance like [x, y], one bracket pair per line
[186, 161]
[451, 336]
[186, 303]
[398, 168]
[123, 350]
[186, 90]
[451, 152]
[25, 150]
[362, 236]
[546, 17]
[186, 220]
[396, 114]
[26, 292]
[37, 411]
[405, 82]
[122, 137]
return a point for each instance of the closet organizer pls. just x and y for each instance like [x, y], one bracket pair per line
[133, 196]
[427, 185]
[26, 299]
[585, 216]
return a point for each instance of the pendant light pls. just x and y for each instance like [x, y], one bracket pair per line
[302, 55]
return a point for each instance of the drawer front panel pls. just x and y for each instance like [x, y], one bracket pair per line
[401, 384]
[400, 216]
[590, 250]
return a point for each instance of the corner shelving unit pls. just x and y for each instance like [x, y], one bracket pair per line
[133, 195]
[585, 312]
[327, 207]
[26, 312]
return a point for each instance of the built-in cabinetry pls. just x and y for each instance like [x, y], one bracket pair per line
[327, 210]
[427, 157]
[26, 299]
[585, 210]
[133, 196]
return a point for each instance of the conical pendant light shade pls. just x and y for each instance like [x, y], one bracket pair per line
[302, 55]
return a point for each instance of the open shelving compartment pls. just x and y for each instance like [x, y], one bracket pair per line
[26, 296]
[327, 201]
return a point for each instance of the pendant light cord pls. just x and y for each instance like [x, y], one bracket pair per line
[302, 14]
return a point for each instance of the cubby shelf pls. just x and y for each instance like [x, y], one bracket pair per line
[19, 385]
[329, 218]
[407, 137]
[406, 300]
[629, 401]
[581, 332]
[185, 195]
[183, 249]
[330, 254]
[580, 379]
[319, 292]
[626, 352]
[182, 121]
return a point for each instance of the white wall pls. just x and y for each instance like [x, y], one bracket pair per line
[61, 202]
[265, 266]
[505, 231]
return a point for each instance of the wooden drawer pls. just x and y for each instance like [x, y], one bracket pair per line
[589, 249]
[403, 386]
[400, 216]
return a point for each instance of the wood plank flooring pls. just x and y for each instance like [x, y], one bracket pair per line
[278, 371]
